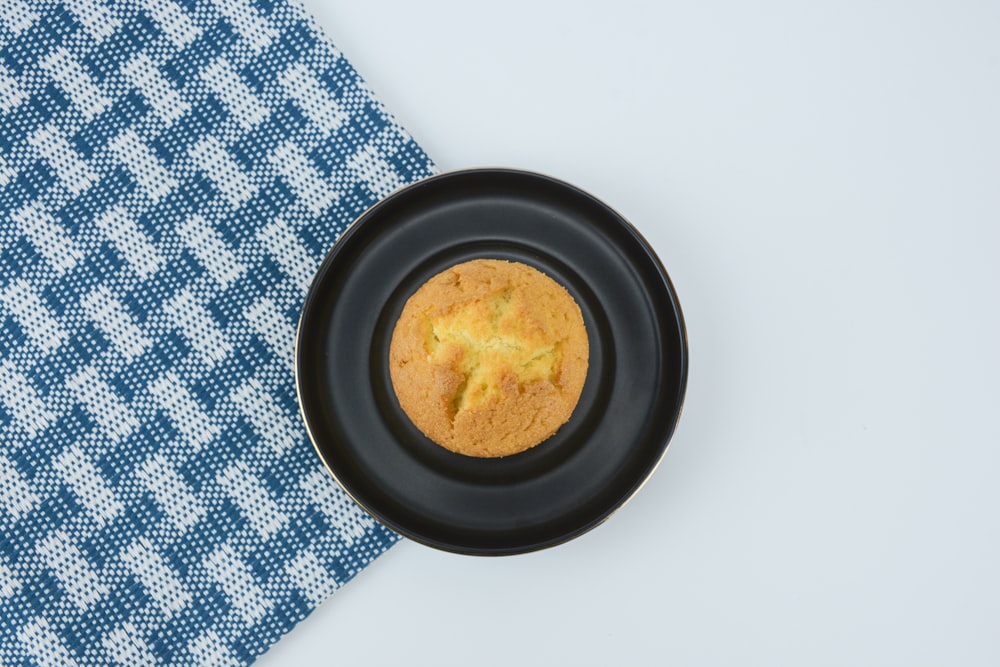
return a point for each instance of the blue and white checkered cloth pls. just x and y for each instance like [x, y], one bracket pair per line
[171, 174]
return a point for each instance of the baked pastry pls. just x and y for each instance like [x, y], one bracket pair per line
[489, 357]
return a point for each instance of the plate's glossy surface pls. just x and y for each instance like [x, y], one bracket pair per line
[564, 486]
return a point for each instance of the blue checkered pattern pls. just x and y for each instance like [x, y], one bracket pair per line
[171, 174]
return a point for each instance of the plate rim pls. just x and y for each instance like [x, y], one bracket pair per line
[351, 229]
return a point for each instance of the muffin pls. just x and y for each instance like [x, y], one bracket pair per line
[489, 357]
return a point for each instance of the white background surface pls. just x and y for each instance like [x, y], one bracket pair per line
[821, 181]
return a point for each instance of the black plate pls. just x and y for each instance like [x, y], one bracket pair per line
[571, 482]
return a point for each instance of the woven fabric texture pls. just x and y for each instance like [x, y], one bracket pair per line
[171, 174]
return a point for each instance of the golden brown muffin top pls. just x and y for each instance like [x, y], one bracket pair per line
[489, 357]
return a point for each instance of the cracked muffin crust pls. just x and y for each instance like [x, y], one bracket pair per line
[489, 357]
